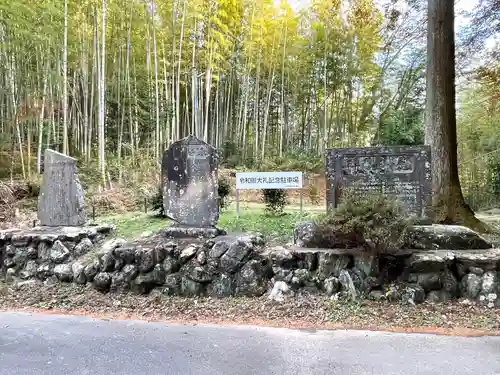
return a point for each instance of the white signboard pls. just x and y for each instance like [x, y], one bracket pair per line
[268, 180]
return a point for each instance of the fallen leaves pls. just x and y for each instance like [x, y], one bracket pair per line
[306, 311]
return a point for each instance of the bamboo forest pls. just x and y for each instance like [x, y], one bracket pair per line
[271, 83]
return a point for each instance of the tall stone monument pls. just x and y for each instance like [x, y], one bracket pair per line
[403, 172]
[189, 180]
[61, 202]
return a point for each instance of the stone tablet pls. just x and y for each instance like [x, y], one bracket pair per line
[403, 172]
[60, 202]
[189, 177]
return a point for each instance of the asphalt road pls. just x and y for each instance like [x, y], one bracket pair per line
[57, 345]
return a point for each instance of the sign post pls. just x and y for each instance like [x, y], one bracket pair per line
[267, 180]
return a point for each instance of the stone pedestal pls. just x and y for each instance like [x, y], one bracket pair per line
[185, 231]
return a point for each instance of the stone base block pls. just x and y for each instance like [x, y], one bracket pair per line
[181, 231]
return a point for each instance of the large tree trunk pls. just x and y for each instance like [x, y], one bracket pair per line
[441, 128]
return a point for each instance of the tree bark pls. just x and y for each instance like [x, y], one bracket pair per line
[449, 206]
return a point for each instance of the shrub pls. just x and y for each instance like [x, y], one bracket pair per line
[224, 190]
[157, 202]
[275, 200]
[376, 222]
[313, 194]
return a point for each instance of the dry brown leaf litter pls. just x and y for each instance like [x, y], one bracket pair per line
[299, 312]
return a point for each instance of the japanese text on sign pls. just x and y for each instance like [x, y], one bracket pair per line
[268, 180]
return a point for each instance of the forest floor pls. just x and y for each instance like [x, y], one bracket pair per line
[306, 311]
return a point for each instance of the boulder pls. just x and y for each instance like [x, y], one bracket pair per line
[347, 285]
[59, 253]
[311, 235]
[231, 261]
[64, 272]
[102, 281]
[413, 295]
[83, 247]
[252, 279]
[223, 286]
[280, 291]
[444, 237]
[331, 264]
[471, 286]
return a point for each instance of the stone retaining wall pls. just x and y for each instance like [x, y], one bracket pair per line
[241, 265]
[42, 252]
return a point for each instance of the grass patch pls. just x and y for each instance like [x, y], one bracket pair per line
[132, 225]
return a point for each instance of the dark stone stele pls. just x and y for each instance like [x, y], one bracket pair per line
[403, 172]
[61, 199]
[189, 181]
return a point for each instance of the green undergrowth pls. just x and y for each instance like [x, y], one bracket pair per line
[131, 225]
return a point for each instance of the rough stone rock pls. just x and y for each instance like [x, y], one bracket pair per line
[281, 257]
[9, 262]
[112, 244]
[125, 254]
[376, 295]
[44, 251]
[32, 252]
[199, 274]
[10, 250]
[63, 272]
[426, 262]
[121, 280]
[476, 271]
[143, 283]
[393, 293]
[10, 275]
[304, 234]
[444, 237]
[44, 271]
[487, 260]
[471, 285]
[83, 247]
[159, 274]
[191, 288]
[438, 296]
[490, 283]
[331, 264]
[171, 265]
[223, 286]
[282, 274]
[490, 300]
[280, 291]
[78, 270]
[201, 258]
[331, 286]
[413, 295]
[347, 285]
[231, 260]
[219, 249]
[188, 253]
[160, 253]
[61, 198]
[428, 281]
[450, 284]
[91, 271]
[102, 281]
[59, 253]
[29, 270]
[300, 277]
[106, 259]
[367, 263]
[21, 257]
[252, 279]
[172, 284]
[145, 259]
